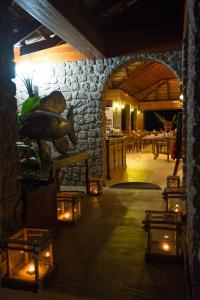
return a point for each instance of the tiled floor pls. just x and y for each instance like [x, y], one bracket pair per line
[103, 256]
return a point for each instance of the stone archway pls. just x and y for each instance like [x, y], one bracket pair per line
[172, 60]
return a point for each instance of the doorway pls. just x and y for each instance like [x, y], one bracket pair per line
[146, 97]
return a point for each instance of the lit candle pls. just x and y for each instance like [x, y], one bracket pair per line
[176, 208]
[31, 269]
[166, 247]
[47, 254]
[67, 215]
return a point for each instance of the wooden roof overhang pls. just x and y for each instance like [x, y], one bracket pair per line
[105, 28]
[100, 28]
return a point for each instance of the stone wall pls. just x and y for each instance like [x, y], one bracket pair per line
[193, 146]
[82, 84]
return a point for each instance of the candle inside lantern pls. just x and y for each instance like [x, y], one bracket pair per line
[166, 247]
[31, 269]
[67, 215]
[176, 208]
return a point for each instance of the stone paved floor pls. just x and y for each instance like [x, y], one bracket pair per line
[103, 256]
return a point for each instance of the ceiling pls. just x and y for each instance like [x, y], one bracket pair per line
[99, 28]
[104, 28]
[146, 81]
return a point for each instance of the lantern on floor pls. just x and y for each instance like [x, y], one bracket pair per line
[29, 259]
[69, 206]
[175, 199]
[173, 181]
[95, 186]
[164, 231]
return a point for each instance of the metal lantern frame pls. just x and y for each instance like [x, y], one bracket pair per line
[28, 259]
[69, 210]
[95, 186]
[169, 227]
[175, 199]
[173, 181]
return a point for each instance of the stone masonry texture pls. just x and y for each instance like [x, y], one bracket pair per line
[193, 147]
[82, 84]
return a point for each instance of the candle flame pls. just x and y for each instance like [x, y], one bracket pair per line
[67, 215]
[31, 269]
[166, 247]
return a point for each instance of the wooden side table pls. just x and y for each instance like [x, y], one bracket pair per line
[62, 161]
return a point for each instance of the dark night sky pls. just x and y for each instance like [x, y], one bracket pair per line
[151, 122]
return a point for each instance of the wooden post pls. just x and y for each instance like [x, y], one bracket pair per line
[10, 208]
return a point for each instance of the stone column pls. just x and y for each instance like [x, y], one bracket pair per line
[193, 146]
[184, 110]
[9, 195]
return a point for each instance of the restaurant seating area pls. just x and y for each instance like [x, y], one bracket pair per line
[157, 142]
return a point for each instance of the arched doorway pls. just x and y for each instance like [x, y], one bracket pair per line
[136, 95]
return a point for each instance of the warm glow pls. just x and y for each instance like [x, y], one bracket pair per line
[181, 97]
[31, 269]
[118, 105]
[166, 236]
[93, 190]
[67, 215]
[165, 247]
[176, 208]
[47, 254]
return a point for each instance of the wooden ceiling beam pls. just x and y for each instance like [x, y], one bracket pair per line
[70, 21]
[133, 74]
[148, 90]
[26, 31]
[38, 46]
[119, 95]
[151, 72]
[160, 105]
[59, 53]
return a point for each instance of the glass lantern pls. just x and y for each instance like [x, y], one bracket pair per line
[173, 181]
[69, 207]
[164, 231]
[28, 259]
[95, 187]
[175, 199]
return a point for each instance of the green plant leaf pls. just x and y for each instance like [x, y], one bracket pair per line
[27, 107]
